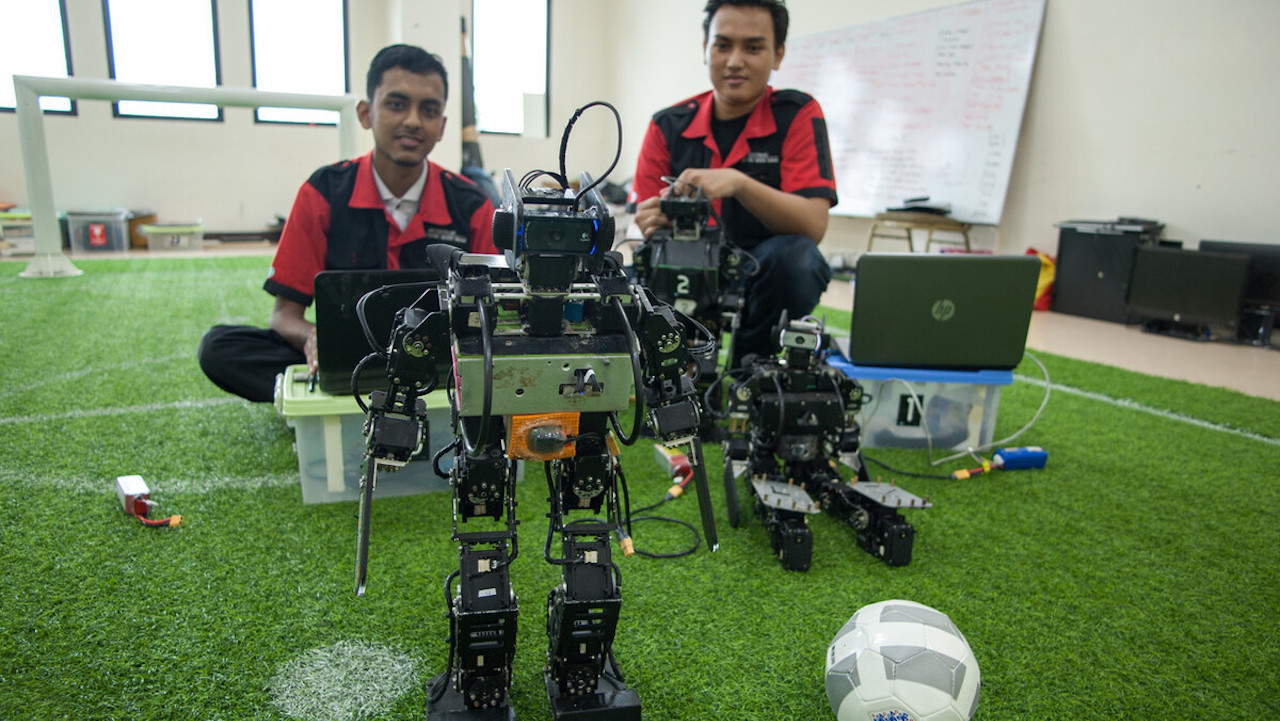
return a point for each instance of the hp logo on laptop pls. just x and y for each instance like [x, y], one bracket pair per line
[942, 310]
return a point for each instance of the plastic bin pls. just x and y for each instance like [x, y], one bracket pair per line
[329, 440]
[17, 235]
[960, 407]
[101, 230]
[173, 236]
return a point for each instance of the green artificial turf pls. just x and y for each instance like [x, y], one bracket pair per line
[1136, 576]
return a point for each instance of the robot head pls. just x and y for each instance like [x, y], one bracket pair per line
[550, 235]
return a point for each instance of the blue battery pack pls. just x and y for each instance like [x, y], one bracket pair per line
[1014, 459]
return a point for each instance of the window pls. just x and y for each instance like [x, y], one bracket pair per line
[163, 42]
[37, 45]
[299, 46]
[510, 61]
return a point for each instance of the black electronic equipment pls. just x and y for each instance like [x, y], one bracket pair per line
[1095, 263]
[1263, 285]
[1262, 291]
[1188, 293]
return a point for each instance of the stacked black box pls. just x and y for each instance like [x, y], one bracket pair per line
[1095, 263]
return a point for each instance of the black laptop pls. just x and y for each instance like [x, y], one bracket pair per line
[942, 311]
[340, 339]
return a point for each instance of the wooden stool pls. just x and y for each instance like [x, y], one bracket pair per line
[890, 223]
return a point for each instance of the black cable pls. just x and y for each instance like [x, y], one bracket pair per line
[435, 459]
[564, 148]
[891, 469]
[355, 380]
[486, 406]
[637, 378]
[697, 537]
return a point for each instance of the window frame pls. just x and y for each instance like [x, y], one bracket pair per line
[74, 110]
[346, 68]
[217, 69]
[546, 66]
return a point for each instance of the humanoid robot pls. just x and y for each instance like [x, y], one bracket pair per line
[695, 268]
[540, 350]
[791, 420]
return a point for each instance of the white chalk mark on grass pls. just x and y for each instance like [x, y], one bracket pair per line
[179, 484]
[343, 682]
[125, 410]
[27, 387]
[1161, 413]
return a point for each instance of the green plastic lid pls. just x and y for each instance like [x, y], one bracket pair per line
[295, 399]
[170, 228]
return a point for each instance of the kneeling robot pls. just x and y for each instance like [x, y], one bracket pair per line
[540, 350]
[790, 420]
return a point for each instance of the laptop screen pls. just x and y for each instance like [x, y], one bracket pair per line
[340, 339]
[944, 311]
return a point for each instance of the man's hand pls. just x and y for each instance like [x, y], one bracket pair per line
[649, 217]
[714, 182]
[288, 319]
[310, 351]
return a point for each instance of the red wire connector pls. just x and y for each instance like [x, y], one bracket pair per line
[135, 499]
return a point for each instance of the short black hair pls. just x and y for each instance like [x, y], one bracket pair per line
[777, 9]
[411, 58]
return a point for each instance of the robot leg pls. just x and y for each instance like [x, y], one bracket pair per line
[582, 678]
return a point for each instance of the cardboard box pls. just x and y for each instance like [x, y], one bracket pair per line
[98, 230]
[959, 407]
[137, 219]
[173, 236]
[329, 440]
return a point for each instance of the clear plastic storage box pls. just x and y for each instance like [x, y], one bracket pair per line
[959, 407]
[98, 230]
[329, 440]
[173, 236]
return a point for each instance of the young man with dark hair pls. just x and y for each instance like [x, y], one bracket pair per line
[378, 211]
[760, 154]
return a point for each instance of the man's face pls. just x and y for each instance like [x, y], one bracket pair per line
[740, 54]
[406, 115]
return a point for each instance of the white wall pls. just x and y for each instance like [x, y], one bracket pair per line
[1157, 108]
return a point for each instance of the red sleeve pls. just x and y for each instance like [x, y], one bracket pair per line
[482, 230]
[654, 163]
[301, 251]
[806, 156]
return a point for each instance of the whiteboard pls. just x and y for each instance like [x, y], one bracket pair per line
[927, 104]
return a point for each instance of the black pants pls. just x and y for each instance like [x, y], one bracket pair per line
[792, 276]
[245, 360]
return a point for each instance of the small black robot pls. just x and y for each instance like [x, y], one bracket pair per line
[791, 419]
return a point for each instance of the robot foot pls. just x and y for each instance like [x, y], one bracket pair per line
[447, 704]
[613, 700]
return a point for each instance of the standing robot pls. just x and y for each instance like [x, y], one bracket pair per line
[694, 267]
[790, 420]
[540, 350]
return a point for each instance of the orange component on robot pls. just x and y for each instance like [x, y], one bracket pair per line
[542, 437]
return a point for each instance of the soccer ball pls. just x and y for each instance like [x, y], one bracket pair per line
[901, 661]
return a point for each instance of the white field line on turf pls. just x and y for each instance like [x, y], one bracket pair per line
[126, 410]
[1134, 405]
[99, 484]
[73, 375]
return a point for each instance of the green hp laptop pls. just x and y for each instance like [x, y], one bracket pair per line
[943, 311]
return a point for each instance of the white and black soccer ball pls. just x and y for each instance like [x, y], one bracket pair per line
[901, 661]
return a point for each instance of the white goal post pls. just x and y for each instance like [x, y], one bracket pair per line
[49, 260]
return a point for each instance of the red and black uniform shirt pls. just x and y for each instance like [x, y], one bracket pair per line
[339, 222]
[783, 145]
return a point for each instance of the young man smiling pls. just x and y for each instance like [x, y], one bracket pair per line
[378, 211]
[761, 154]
